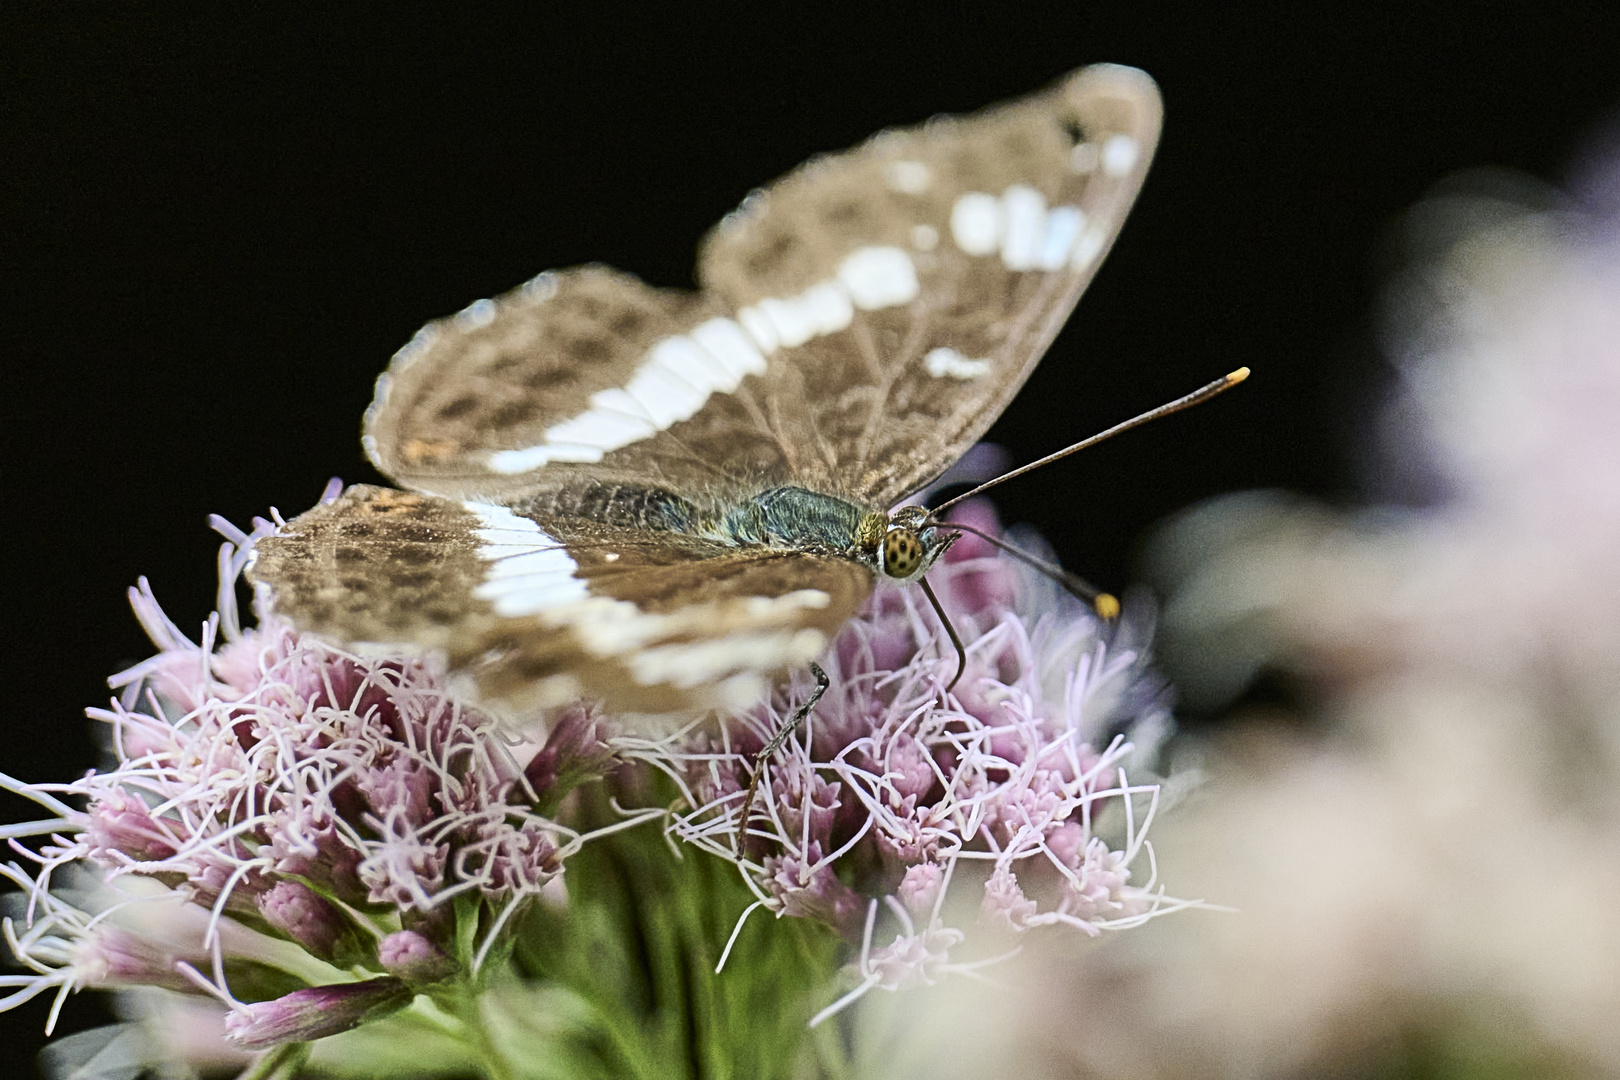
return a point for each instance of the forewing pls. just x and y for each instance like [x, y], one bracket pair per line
[542, 612]
[866, 318]
[962, 245]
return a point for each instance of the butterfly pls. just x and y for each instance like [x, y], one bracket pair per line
[663, 499]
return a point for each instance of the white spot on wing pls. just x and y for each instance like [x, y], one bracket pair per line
[908, 177]
[976, 223]
[512, 462]
[528, 571]
[1119, 155]
[1086, 251]
[1063, 224]
[615, 400]
[478, 314]
[788, 320]
[924, 237]
[608, 627]
[625, 630]
[727, 343]
[681, 372]
[820, 309]
[541, 287]
[1024, 211]
[664, 394]
[776, 607]
[945, 362]
[689, 664]
[556, 690]
[878, 277]
[682, 357]
[760, 328]
[829, 306]
[600, 427]
[741, 691]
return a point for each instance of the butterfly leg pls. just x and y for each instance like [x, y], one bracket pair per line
[961, 653]
[762, 760]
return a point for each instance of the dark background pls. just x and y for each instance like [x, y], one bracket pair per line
[216, 232]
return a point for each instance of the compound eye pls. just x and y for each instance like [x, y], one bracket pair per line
[902, 553]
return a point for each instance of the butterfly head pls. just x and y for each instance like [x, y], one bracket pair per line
[908, 544]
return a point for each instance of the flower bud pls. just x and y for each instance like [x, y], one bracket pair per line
[819, 895]
[414, 958]
[308, 918]
[120, 827]
[1005, 902]
[920, 887]
[316, 1012]
[574, 752]
[112, 956]
[911, 771]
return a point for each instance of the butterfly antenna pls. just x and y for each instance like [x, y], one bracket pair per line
[1202, 394]
[1104, 604]
[939, 609]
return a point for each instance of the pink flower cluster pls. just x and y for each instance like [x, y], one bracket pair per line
[347, 821]
[894, 789]
[278, 760]
[281, 783]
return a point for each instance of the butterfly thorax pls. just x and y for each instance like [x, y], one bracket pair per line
[898, 547]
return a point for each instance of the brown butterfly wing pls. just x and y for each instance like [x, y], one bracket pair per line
[544, 611]
[1003, 216]
[497, 376]
[864, 320]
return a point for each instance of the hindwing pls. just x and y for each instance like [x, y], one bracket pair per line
[545, 611]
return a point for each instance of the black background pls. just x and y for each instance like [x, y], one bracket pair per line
[217, 231]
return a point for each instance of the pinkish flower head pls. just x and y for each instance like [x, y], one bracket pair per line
[280, 761]
[809, 887]
[136, 935]
[896, 793]
[277, 782]
[331, 816]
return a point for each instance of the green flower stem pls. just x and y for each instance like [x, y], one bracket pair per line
[280, 1063]
[476, 1036]
[637, 946]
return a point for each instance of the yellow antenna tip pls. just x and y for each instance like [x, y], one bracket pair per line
[1237, 376]
[1107, 606]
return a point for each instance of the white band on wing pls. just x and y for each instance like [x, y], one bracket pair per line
[681, 372]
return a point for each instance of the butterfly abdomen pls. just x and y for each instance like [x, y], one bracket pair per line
[625, 506]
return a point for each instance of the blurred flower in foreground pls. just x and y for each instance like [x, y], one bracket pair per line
[295, 841]
[1422, 836]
